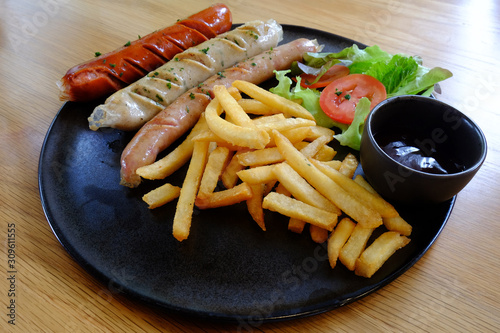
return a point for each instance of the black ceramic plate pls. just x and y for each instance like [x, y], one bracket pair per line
[228, 269]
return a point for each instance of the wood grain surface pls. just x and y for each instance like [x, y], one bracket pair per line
[453, 288]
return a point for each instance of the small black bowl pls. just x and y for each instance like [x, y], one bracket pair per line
[441, 150]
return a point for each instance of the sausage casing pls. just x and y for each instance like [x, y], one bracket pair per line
[131, 107]
[175, 120]
[114, 70]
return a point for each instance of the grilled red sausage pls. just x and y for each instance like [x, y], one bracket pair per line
[112, 71]
[176, 119]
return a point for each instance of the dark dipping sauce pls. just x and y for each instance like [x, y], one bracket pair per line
[418, 154]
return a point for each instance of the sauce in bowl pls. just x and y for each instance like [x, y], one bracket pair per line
[418, 154]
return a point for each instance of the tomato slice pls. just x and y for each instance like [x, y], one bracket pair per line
[333, 73]
[339, 99]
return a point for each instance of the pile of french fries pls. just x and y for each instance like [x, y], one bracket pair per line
[278, 159]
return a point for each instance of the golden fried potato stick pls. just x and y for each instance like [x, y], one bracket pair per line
[365, 216]
[317, 131]
[253, 106]
[300, 210]
[378, 252]
[257, 175]
[229, 176]
[301, 189]
[373, 201]
[234, 195]
[318, 235]
[296, 225]
[213, 170]
[396, 223]
[232, 108]
[185, 204]
[161, 195]
[349, 165]
[355, 245]
[254, 204]
[338, 238]
[286, 106]
[250, 137]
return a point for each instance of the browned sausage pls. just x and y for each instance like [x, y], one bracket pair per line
[168, 125]
[112, 71]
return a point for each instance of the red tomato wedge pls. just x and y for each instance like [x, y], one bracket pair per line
[335, 72]
[339, 99]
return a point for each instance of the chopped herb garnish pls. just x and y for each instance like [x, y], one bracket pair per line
[158, 97]
[98, 54]
[254, 64]
[205, 50]
[127, 43]
[338, 92]
[187, 109]
[104, 61]
[138, 36]
[191, 95]
[169, 85]
[176, 59]
[113, 65]
[348, 97]
[221, 74]
[121, 74]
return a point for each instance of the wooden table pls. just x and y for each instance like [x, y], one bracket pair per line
[454, 287]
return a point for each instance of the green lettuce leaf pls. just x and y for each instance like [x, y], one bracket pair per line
[351, 137]
[399, 73]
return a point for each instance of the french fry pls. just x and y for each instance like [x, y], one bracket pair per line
[268, 119]
[234, 195]
[294, 135]
[301, 189]
[257, 175]
[365, 216]
[355, 245]
[297, 209]
[254, 204]
[234, 134]
[209, 136]
[325, 154]
[282, 190]
[285, 124]
[175, 159]
[260, 157]
[314, 147]
[334, 164]
[213, 170]
[338, 238]
[378, 252]
[349, 165]
[231, 107]
[268, 187]
[375, 202]
[229, 176]
[256, 107]
[184, 212]
[396, 223]
[296, 225]
[286, 106]
[161, 195]
[318, 235]
[317, 131]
